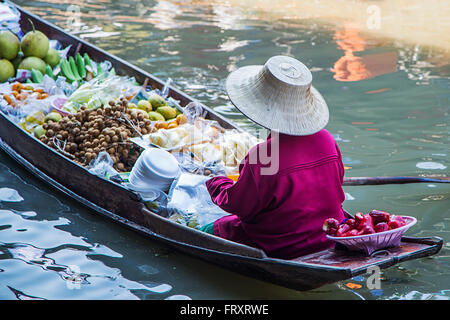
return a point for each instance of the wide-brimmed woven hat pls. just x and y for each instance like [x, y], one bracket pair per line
[279, 96]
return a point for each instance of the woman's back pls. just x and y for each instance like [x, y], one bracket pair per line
[284, 197]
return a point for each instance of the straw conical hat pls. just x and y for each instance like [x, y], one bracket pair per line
[279, 96]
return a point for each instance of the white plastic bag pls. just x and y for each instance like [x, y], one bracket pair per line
[102, 166]
[189, 202]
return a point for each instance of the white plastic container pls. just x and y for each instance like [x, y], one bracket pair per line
[155, 169]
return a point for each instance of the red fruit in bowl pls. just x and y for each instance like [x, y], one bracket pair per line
[396, 222]
[359, 216]
[352, 223]
[330, 226]
[380, 227]
[366, 221]
[343, 228]
[367, 229]
[350, 233]
[379, 216]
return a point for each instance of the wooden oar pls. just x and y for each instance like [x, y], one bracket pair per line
[364, 181]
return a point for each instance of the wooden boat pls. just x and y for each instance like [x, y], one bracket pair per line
[117, 203]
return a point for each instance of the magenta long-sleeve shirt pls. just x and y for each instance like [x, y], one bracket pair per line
[282, 212]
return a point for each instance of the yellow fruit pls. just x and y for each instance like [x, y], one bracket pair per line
[54, 116]
[161, 124]
[172, 124]
[181, 119]
[157, 101]
[36, 117]
[144, 105]
[167, 112]
[155, 116]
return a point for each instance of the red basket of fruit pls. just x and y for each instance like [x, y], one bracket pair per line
[369, 232]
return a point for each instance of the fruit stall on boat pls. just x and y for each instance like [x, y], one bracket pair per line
[88, 123]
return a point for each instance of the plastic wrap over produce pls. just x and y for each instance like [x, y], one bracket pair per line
[189, 202]
[205, 141]
[98, 91]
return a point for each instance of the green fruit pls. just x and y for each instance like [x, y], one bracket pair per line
[39, 131]
[9, 45]
[35, 44]
[144, 105]
[73, 67]
[37, 76]
[6, 70]
[155, 116]
[30, 63]
[80, 66]
[17, 60]
[167, 112]
[157, 101]
[49, 71]
[53, 116]
[66, 70]
[52, 57]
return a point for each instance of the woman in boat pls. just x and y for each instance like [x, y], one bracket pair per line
[289, 184]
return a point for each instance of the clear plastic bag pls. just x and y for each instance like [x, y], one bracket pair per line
[98, 91]
[102, 166]
[189, 163]
[9, 19]
[189, 202]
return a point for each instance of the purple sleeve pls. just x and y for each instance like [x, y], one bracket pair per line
[240, 198]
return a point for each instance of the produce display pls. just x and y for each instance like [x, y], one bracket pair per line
[84, 110]
[207, 141]
[363, 224]
[20, 93]
[82, 136]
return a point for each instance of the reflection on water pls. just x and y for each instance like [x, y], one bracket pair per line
[354, 68]
[386, 83]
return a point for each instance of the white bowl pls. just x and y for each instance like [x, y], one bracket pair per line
[155, 169]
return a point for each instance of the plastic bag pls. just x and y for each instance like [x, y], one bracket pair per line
[193, 111]
[102, 166]
[155, 201]
[9, 19]
[189, 202]
[189, 163]
[97, 91]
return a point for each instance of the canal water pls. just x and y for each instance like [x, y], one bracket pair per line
[384, 74]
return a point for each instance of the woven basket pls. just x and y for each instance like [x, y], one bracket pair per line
[375, 241]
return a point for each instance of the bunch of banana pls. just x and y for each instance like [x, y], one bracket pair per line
[78, 68]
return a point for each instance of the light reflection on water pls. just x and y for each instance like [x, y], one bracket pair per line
[389, 107]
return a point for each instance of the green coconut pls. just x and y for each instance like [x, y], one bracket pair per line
[30, 63]
[34, 44]
[52, 57]
[6, 70]
[9, 45]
